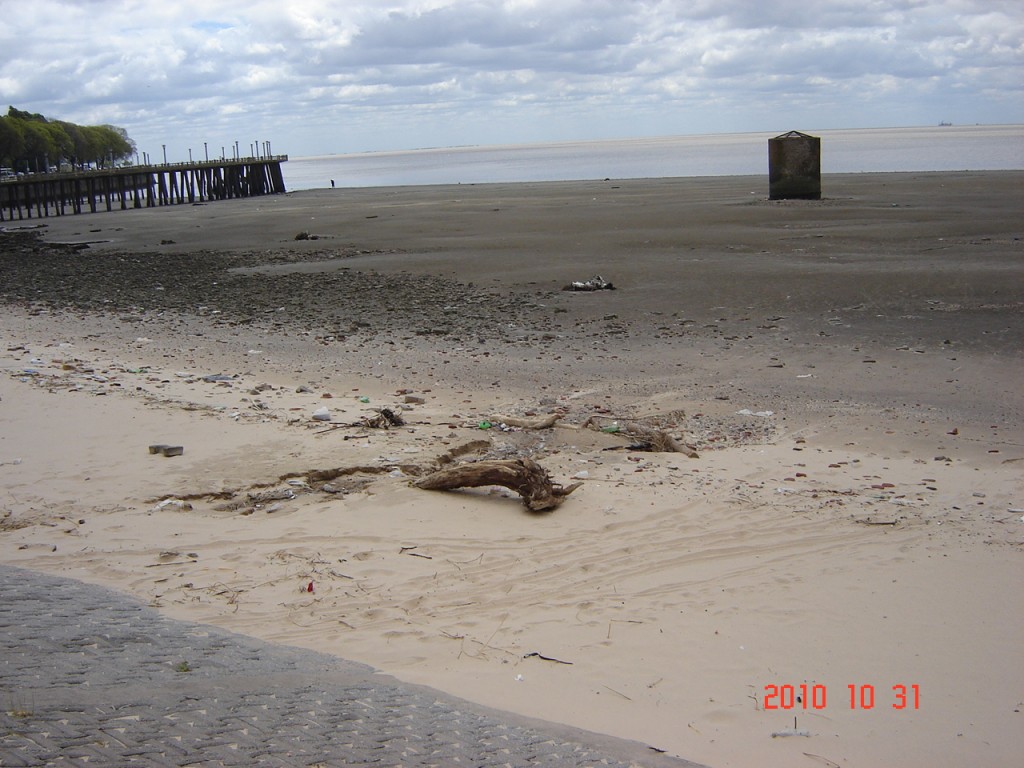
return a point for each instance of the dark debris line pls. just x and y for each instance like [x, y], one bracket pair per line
[342, 301]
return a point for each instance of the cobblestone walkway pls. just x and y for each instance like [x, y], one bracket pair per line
[91, 677]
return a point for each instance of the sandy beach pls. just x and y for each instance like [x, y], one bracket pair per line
[847, 370]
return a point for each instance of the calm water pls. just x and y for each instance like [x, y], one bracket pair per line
[940, 148]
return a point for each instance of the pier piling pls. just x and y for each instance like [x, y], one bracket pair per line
[149, 186]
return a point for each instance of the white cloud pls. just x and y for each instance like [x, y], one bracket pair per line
[394, 72]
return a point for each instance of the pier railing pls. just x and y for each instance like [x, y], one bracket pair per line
[140, 186]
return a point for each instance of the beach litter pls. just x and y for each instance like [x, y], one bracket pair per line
[541, 422]
[790, 732]
[651, 433]
[541, 656]
[596, 283]
[167, 450]
[385, 419]
[178, 504]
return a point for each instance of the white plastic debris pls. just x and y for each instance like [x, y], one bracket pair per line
[322, 414]
[172, 504]
[596, 283]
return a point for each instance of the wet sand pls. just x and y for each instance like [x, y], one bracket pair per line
[848, 370]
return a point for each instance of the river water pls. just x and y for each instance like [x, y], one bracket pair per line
[938, 148]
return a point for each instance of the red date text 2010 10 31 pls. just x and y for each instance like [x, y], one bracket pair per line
[806, 696]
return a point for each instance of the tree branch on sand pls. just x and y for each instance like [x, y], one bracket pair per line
[657, 440]
[541, 422]
[524, 476]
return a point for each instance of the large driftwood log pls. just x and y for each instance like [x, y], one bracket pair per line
[524, 476]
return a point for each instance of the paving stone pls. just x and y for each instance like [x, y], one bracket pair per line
[90, 674]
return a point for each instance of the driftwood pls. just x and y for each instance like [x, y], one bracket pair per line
[657, 440]
[540, 422]
[473, 446]
[524, 476]
[385, 419]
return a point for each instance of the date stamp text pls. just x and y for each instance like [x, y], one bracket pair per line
[865, 696]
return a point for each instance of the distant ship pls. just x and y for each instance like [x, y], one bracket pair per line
[944, 124]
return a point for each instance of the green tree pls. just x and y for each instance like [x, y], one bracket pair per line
[20, 115]
[92, 144]
[29, 142]
[117, 143]
[79, 141]
[12, 141]
[61, 147]
[38, 145]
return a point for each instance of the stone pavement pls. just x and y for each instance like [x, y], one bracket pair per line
[92, 677]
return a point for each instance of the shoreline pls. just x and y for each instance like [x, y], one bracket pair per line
[847, 369]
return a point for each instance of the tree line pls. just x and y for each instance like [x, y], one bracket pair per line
[31, 143]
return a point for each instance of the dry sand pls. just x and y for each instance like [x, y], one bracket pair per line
[848, 369]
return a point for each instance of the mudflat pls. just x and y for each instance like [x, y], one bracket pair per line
[847, 370]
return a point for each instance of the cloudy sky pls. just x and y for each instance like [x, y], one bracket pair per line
[317, 77]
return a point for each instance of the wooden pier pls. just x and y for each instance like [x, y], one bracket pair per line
[149, 186]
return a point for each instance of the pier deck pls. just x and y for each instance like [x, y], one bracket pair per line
[148, 186]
